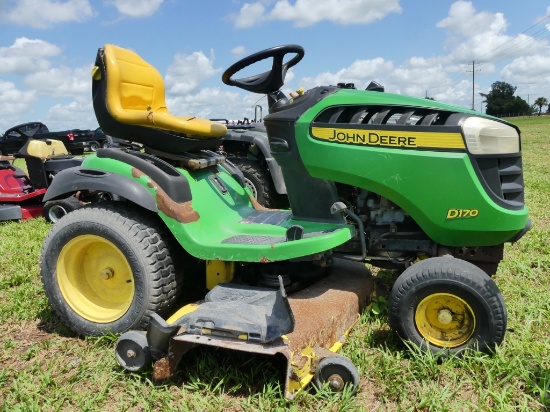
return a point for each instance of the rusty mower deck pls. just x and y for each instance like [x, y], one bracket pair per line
[324, 313]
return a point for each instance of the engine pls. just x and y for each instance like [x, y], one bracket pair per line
[394, 239]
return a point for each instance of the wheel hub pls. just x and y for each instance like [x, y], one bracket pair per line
[445, 316]
[86, 270]
[445, 320]
[335, 382]
[252, 187]
[107, 273]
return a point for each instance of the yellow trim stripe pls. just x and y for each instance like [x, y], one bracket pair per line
[390, 138]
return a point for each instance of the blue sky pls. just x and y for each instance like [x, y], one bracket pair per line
[47, 49]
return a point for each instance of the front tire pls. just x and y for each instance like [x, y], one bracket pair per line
[106, 268]
[447, 305]
[258, 180]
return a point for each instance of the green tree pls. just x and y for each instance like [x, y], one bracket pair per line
[501, 101]
[541, 101]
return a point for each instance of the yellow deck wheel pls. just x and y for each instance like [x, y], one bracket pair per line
[95, 278]
[445, 320]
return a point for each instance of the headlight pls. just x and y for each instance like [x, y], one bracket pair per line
[486, 136]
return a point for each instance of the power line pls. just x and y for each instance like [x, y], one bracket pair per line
[508, 42]
[518, 45]
[517, 49]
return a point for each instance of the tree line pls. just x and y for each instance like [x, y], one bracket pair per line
[501, 102]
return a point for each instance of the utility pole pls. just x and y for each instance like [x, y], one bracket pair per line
[473, 80]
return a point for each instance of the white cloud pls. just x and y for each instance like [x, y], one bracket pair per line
[61, 81]
[360, 72]
[13, 103]
[528, 69]
[137, 8]
[238, 51]
[473, 35]
[457, 93]
[251, 14]
[464, 20]
[308, 12]
[208, 103]
[481, 36]
[187, 71]
[419, 72]
[27, 56]
[77, 114]
[42, 14]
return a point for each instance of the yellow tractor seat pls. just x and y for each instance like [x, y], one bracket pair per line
[129, 95]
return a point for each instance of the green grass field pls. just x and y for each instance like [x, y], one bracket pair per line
[43, 366]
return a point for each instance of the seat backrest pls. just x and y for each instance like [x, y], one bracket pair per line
[135, 89]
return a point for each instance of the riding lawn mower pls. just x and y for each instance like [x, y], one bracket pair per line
[21, 193]
[428, 189]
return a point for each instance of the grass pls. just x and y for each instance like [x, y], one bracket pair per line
[44, 367]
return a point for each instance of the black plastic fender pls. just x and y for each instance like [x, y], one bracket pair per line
[79, 178]
[261, 141]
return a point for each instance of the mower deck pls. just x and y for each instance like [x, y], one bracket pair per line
[324, 313]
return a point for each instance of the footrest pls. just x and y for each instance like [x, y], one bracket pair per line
[270, 240]
[252, 314]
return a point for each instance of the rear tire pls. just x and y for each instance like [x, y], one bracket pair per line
[107, 267]
[447, 305]
[56, 209]
[94, 146]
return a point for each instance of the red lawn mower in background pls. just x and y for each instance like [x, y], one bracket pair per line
[21, 193]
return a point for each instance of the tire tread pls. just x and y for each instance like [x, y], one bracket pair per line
[148, 234]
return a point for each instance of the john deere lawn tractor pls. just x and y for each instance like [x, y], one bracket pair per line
[426, 188]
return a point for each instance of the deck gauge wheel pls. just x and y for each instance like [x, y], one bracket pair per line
[132, 351]
[337, 372]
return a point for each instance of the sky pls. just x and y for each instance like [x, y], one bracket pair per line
[419, 48]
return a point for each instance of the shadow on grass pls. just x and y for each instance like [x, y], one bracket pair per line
[50, 323]
[223, 371]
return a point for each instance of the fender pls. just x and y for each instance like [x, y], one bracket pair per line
[261, 141]
[79, 178]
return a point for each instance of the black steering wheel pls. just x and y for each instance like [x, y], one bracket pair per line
[271, 80]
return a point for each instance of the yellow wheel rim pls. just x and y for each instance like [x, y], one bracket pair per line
[445, 320]
[95, 279]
